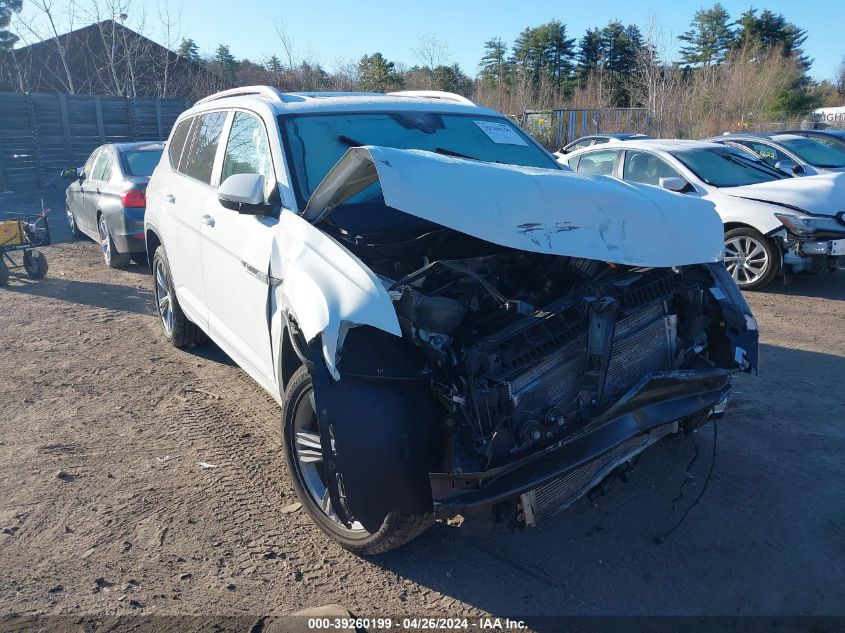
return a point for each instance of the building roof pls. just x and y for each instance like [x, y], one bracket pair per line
[135, 69]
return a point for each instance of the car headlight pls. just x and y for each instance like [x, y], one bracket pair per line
[803, 225]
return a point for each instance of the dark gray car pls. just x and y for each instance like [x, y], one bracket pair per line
[107, 198]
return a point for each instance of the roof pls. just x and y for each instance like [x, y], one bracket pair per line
[300, 102]
[139, 146]
[829, 132]
[659, 144]
[96, 57]
[785, 137]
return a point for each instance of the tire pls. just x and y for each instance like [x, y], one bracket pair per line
[753, 259]
[178, 329]
[4, 271]
[35, 264]
[112, 257]
[397, 528]
[71, 221]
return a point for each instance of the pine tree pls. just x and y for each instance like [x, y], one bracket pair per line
[274, 65]
[590, 53]
[494, 65]
[188, 48]
[768, 31]
[377, 74]
[7, 8]
[709, 37]
[226, 62]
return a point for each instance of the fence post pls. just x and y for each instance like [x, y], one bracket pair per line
[36, 142]
[159, 120]
[66, 129]
[98, 107]
[130, 113]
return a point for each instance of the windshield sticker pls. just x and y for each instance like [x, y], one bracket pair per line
[501, 133]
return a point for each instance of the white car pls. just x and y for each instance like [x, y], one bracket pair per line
[774, 223]
[792, 153]
[451, 322]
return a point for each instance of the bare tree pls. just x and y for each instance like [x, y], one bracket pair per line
[171, 32]
[44, 20]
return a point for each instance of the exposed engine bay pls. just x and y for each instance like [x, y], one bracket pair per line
[522, 349]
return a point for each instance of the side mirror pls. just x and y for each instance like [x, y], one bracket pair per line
[788, 166]
[244, 193]
[70, 173]
[673, 183]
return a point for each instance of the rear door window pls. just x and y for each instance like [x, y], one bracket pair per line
[600, 163]
[103, 166]
[646, 168]
[88, 170]
[201, 147]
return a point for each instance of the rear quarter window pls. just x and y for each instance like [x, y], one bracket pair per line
[177, 141]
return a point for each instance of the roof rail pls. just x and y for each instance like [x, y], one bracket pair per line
[262, 91]
[433, 94]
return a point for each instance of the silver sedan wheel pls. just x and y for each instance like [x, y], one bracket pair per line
[309, 455]
[71, 221]
[105, 240]
[746, 259]
[164, 297]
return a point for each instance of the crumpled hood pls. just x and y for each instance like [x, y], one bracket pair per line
[823, 194]
[531, 209]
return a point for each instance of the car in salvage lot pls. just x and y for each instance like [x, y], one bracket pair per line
[106, 198]
[451, 323]
[797, 154]
[774, 223]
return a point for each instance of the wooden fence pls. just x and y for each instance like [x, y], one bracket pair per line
[40, 134]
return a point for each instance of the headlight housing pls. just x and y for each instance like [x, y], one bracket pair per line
[807, 225]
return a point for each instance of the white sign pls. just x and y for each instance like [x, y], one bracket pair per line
[501, 133]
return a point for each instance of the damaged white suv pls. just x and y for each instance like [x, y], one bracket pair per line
[451, 323]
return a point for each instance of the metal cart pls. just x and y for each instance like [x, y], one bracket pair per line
[23, 233]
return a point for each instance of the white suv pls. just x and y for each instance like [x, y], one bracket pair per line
[451, 322]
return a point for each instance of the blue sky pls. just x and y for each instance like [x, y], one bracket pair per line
[331, 30]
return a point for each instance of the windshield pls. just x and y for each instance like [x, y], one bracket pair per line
[817, 154]
[726, 167]
[316, 142]
[140, 163]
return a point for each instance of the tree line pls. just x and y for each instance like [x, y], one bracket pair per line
[722, 69]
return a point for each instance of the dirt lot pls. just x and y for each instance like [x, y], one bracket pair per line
[105, 507]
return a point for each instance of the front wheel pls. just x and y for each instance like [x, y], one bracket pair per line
[752, 259]
[304, 458]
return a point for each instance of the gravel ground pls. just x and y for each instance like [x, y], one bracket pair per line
[106, 507]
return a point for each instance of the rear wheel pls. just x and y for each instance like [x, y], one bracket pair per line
[35, 264]
[178, 329]
[304, 458]
[112, 257]
[751, 258]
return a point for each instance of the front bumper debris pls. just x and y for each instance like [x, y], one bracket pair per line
[646, 413]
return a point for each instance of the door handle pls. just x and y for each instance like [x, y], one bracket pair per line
[170, 198]
[207, 220]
